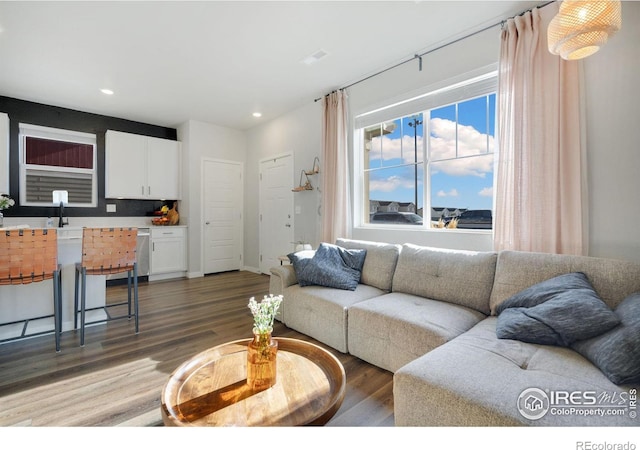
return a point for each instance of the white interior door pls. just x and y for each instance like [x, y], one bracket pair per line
[276, 210]
[222, 229]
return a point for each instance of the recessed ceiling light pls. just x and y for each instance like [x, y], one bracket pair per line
[315, 57]
[106, 91]
[257, 114]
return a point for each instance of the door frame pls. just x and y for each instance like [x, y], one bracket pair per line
[260, 197]
[202, 203]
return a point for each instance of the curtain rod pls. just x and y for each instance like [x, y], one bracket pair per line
[420, 55]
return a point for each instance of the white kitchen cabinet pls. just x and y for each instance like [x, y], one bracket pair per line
[168, 250]
[141, 167]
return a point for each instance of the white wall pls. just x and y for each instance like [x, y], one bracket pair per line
[297, 132]
[613, 141]
[202, 140]
[613, 137]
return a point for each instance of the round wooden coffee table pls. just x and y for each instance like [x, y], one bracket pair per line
[211, 388]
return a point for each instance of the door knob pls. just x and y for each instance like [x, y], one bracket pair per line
[288, 225]
[207, 223]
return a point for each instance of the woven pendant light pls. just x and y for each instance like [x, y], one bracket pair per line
[581, 27]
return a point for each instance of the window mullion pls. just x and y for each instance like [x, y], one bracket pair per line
[426, 170]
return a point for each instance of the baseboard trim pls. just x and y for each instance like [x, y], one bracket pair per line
[251, 269]
[195, 274]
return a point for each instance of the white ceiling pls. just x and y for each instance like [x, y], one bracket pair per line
[216, 61]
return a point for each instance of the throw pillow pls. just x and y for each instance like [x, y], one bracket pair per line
[331, 266]
[617, 352]
[558, 311]
[299, 261]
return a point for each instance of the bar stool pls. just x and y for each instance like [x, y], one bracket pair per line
[106, 251]
[30, 255]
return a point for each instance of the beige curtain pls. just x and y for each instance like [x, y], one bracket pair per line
[540, 187]
[336, 205]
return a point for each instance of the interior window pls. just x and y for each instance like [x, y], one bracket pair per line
[57, 160]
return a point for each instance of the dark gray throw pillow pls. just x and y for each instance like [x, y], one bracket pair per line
[558, 311]
[330, 266]
[617, 352]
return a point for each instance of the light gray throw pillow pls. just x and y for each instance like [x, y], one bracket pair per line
[617, 352]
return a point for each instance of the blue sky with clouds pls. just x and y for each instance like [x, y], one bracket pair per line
[461, 175]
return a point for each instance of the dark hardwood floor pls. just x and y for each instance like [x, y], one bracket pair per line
[117, 377]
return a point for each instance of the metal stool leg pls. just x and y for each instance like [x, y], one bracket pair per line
[135, 293]
[75, 299]
[57, 310]
[83, 304]
[129, 292]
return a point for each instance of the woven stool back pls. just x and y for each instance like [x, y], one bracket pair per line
[28, 255]
[108, 250]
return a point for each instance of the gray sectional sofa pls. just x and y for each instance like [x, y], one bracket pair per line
[429, 316]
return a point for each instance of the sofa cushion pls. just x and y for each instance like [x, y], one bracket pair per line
[321, 312]
[477, 379]
[613, 280]
[393, 329]
[379, 264]
[330, 266]
[558, 311]
[617, 352]
[455, 276]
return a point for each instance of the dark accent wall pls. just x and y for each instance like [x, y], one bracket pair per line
[21, 111]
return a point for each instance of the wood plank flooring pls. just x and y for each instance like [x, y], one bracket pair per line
[117, 377]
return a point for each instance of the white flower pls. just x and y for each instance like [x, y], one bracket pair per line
[6, 202]
[264, 312]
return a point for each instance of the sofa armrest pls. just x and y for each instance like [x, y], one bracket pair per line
[281, 277]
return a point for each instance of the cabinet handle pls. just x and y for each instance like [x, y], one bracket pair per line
[149, 189]
[153, 247]
[142, 190]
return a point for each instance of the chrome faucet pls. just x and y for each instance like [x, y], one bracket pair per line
[61, 221]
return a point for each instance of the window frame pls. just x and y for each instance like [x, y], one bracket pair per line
[56, 134]
[455, 91]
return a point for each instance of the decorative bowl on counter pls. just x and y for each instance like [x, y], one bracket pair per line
[160, 220]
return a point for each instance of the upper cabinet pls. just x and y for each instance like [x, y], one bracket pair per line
[141, 167]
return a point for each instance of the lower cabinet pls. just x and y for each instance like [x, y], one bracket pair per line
[168, 250]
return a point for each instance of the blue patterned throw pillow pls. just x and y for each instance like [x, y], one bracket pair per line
[330, 266]
[617, 352]
[558, 311]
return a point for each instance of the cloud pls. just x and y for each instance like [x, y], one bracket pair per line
[452, 193]
[486, 192]
[384, 148]
[390, 184]
[443, 139]
[470, 142]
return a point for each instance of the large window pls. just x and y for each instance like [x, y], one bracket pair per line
[432, 167]
[57, 160]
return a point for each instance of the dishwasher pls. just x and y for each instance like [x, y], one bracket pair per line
[142, 256]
